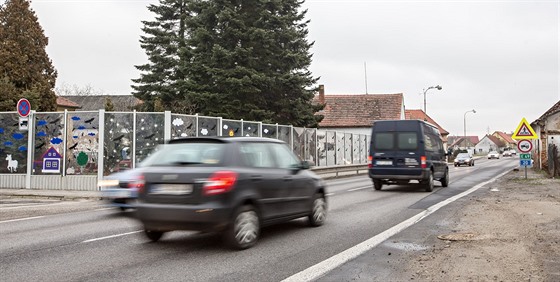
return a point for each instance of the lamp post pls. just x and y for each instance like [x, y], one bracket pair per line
[426, 90]
[465, 126]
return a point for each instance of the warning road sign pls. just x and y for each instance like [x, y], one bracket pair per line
[524, 131]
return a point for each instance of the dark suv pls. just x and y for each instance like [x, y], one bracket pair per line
[232, 185]
[405, 150]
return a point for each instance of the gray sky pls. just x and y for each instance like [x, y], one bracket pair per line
[500, 58]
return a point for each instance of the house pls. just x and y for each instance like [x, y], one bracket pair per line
[65, 104]
[489, 143]
[506, 138]
[546, 150]
[421, 115]
[355, 113]
[121, 103]
[462, 142]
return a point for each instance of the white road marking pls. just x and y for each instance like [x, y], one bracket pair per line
[321, 268]
[21, 219]
[356, 189]
[111, 236]
[329, 194]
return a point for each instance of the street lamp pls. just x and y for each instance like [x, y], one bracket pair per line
[465, 126]
[426, 90]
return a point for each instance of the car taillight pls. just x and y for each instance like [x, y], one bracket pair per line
[137, 183]
[370, 161]
[423, 162]
[220, 182]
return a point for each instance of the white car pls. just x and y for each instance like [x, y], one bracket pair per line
[506, 153]
[493, 155]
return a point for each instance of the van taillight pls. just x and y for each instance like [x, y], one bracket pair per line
[220, 182]
[137, 183]
[370, 161]
[423, 162]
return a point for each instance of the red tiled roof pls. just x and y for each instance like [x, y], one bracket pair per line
[454, 140]
[496, 141]
[359, 110]
[63, 102]
[419, 114]
[506, 137]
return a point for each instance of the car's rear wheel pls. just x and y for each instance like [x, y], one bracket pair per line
[244, 231]
[153, 235]
[319, 210]
[429, 183]
[445, 179]
[377, 184]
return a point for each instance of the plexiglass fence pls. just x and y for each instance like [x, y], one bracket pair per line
[72, 143]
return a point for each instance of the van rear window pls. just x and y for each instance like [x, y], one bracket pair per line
[404, 141]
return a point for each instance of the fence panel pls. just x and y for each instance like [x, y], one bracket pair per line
[149, 133]
[48, 132]
[82, 143]
[118, 142]
[13, 144]
[231, 127]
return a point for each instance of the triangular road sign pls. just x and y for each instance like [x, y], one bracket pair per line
[524, 131]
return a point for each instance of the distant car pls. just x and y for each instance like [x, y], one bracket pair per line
[231, 185]
[118, 190]
[506, 153]
[513, 152]
[493, 155]
[463, 159]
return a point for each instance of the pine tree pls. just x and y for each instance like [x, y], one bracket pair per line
[25, 68]
[234, 59]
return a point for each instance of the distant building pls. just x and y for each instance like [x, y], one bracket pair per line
[355, 113]
[547, 129]
[421, 115]
[490, 143]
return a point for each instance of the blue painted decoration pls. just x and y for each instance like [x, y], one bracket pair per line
[81, 127]
[17, 136]
[76, 118]
[41, 134]
[56, 141]
[91, 134]
[41, 122]
[22, 148]
[8, 143]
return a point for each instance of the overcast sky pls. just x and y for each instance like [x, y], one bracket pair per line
[499, 58]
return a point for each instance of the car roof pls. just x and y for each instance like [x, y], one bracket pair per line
[223, 139]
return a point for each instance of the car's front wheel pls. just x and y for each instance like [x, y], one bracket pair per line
[318, 211]
[244, 231]
[153, 235]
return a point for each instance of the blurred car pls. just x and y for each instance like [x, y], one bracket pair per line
[513, 152]
[231, 185]
[463, 159]
[493, 155]
[506, 153]
[117, 190]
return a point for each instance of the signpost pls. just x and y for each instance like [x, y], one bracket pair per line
[23, 108]
[524, 133]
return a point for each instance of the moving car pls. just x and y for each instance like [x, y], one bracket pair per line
[493, 155]
[506, 153]
[463, 159]
[405, 150]
[116, 188]
[231, 185]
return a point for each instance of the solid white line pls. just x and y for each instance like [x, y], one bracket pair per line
[321, 268]
[21, 219]
[356, 189]
[329, 194]
[111, 236]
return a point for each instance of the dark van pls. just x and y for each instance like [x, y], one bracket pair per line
[405, 150]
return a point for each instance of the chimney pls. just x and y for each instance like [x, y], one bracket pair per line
[322, 94]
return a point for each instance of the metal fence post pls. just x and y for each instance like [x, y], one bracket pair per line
[242, 127]
[65, 141]
[196, 121]
[219, 131]
[167, 126]
[260, 129]
[30, 146]
[101, 145]
[335, 149]
[134, 139]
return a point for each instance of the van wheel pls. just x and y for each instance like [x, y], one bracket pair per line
[377, 184]
[445, 179]
[319, 211]
[429, 184]
[244, 231]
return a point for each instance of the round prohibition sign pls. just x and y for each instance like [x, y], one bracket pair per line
[525, 146]
[23, 107]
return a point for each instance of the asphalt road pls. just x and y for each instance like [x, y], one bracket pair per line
[45, 240]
